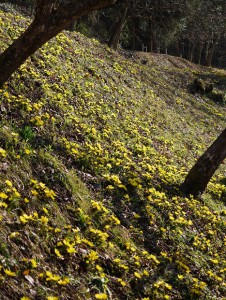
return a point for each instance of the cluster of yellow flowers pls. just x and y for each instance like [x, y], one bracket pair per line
[98, 117]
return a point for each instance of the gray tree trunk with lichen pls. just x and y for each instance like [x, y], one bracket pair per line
[51, 17]
[201, 173]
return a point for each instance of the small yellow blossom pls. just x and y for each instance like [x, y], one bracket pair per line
[58, 253]
[2, 153]
[34, 192]
[9, 183]
[123, 283]
[3, 204]
[101, 296]
[9, 273]
[27, 151]
[45, 210]
[137, 275]
[99, 268]
[33, 263]
[44, 219]
[64, 281]
[3, 195]
[14, 234]
[92, 256]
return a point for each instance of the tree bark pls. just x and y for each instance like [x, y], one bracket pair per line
[210, 55]
[134, 40]
[199, 52]
[207, 51]
[51, 17]
[191, 49]
[201, 173]
[115, 37]
[151, 38]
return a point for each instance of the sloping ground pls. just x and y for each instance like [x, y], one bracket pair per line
[93, 149]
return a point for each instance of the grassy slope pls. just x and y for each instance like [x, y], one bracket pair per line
[93, 148]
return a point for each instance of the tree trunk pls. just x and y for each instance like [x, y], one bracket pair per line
[115, 37]
[51, 17]
[150, 38]
[178, 51]
[199, 53]
[14, 56]
[201, 173]
[134, 40]
[152, 43]
[207, 51]
[191, 51]
[210, 55]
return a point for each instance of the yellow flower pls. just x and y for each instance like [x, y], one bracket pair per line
[27, 151]
[9, 273]
[24, 219]
[3, 195]
[110, 187]
[16, 193]
[136, 216]
[50, 193]
[33, 263]
[2, 153]
[168, 286]
[14, 234]
[123, 266]
[153, 258]
[3, 204]
[44, 219]
[52, 298]
[101, 296]
[33, 181]
[214, 261]
[34, 192]
[52, 277]
[45, 210]
[92, 256]
[164, 254]
[71, 249]
[137, 275]
[9, 183]
[99, 268]
[64, 281]
[123, 283]
[58, 253]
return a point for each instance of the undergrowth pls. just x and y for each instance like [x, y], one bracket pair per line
[93, 149]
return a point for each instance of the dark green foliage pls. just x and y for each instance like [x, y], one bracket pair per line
[218, 96]
[202, 86]
[27, 133]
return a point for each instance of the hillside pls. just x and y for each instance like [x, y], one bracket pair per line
[93, 147]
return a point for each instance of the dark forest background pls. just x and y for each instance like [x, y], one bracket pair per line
[192, 29]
